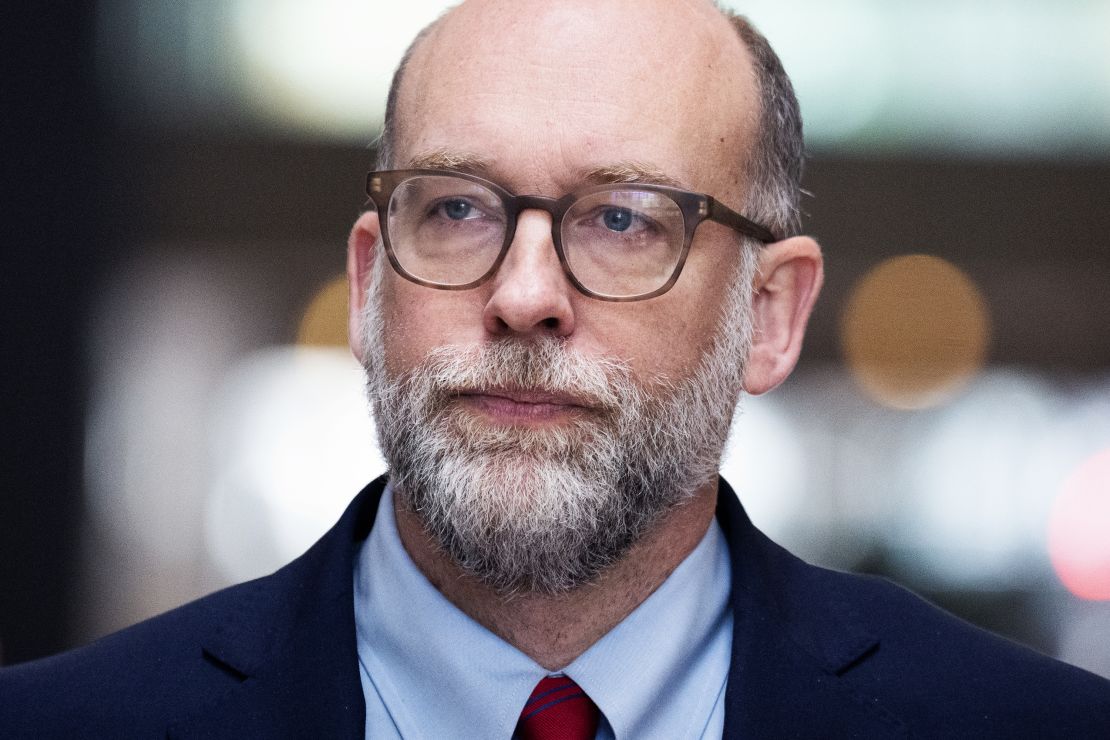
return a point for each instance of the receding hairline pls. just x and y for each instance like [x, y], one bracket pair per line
[772, 159]
[416, 50]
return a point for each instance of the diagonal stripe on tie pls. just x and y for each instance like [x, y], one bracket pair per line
[537, 694]
[558, 709]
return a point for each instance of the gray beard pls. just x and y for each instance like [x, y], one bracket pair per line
[542, 510]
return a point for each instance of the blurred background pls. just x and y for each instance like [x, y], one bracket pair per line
[181, 413]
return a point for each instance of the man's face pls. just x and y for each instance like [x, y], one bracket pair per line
[546, 92]
[522, 416]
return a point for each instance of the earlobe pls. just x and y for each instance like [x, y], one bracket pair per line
[790, 276]
[361, 252]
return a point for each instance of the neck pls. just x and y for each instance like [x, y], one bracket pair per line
[554, 630]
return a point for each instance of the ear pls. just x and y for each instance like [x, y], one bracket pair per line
[361, 252]
[786, 287]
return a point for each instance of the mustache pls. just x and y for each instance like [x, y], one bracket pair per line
[544, 365]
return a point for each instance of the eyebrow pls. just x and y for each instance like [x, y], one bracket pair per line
[451, 161]
[630, 172]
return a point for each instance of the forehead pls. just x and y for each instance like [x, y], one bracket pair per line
[545, 90]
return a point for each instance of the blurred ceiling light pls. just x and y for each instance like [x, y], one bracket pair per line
[324, 323]
[948, 75]
[914, 331]
[1079, 530]
[844, 94]
[325, 66]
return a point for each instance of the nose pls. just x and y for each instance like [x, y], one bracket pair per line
[530, 294]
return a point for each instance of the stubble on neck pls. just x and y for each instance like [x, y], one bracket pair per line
[555, 629]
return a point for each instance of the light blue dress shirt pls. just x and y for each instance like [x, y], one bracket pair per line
[430, 671]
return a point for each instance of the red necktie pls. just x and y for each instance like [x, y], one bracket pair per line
[558, 709]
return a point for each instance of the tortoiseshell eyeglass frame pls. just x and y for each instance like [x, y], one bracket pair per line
[695, 207]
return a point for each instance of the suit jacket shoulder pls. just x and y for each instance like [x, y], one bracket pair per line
[274, 657]
[858, 656]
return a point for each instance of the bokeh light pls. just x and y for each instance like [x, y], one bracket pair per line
[324, 323]
[324, 66]
[764, 463]
[1079, 530]
[866, 71]
[915, 330]
[975, 481]
[293, 443]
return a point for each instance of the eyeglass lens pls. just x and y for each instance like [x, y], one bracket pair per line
[450, 230]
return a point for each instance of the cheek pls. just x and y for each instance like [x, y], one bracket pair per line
[679, 326]
[662, 338]
[419, 319]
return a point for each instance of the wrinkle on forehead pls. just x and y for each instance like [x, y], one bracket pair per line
[488, 60]
[618, 172]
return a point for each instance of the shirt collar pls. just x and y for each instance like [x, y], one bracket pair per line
[661, 671]
[437, 670]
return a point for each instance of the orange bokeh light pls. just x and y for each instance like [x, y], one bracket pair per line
[324, 323]
[914, 331]
[1079, 530]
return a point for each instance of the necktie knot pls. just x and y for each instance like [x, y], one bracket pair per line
[558, 709]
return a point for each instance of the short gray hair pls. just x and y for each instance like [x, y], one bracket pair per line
[777, 159]
[774, 165]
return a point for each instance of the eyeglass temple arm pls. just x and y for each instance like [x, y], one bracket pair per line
[722, 214]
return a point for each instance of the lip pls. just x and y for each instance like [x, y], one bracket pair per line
[516, 406]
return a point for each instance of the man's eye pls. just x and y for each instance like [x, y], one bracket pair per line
[617, 219]
[457, 209]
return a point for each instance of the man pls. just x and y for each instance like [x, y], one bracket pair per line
[558, 303]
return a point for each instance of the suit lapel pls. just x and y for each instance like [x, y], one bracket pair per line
[288, 641]
[793, 641]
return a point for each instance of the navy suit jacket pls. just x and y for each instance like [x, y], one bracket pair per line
[815, 654]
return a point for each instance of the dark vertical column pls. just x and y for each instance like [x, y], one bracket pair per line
[50, 245]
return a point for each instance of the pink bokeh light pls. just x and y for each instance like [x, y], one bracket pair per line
[1079, 530]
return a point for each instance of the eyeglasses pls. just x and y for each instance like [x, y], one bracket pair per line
[622, 242]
